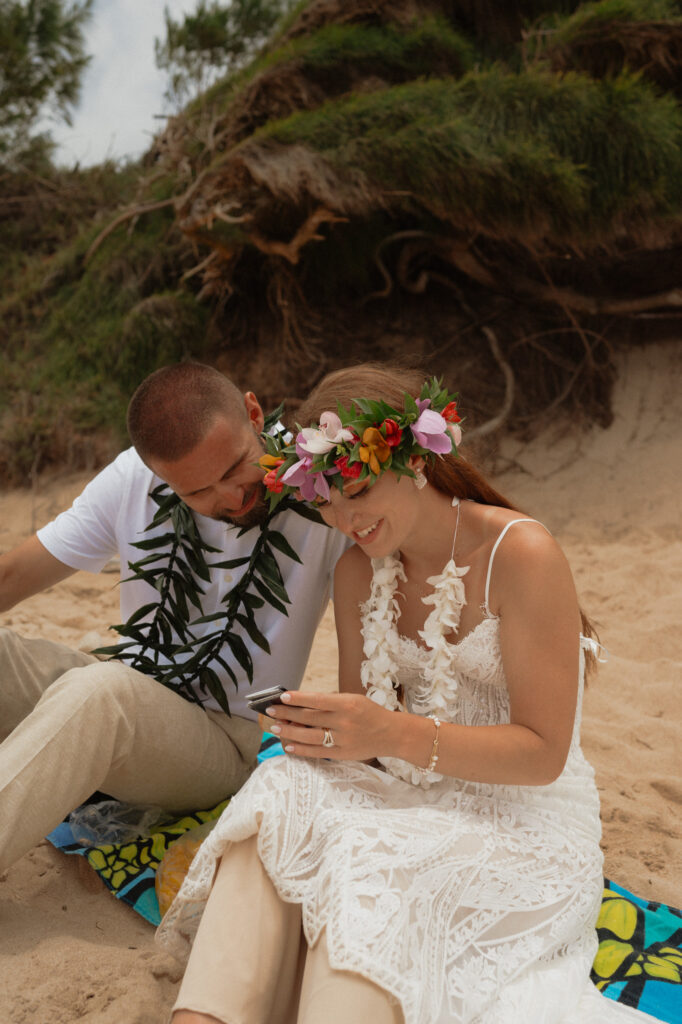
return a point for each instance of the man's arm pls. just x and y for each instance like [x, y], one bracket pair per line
[26, 570]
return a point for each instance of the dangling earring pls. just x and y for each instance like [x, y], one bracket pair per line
[419, 478]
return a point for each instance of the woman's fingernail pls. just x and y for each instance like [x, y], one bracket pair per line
[285, 698]
[289, 749]
[276, 729]
[270, 711]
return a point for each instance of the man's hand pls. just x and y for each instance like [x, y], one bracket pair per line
[26, 570]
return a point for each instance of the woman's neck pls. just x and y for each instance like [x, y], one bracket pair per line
[429, 546]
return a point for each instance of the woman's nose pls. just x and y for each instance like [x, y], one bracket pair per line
[336, 516]
[344, 519]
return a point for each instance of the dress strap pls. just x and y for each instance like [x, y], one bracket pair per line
[492, 556]
[456, 503]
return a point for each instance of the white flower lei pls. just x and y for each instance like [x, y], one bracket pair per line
[380, 635]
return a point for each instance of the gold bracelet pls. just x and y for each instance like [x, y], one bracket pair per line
[433, 760]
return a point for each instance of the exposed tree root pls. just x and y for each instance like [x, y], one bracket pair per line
[134, 211]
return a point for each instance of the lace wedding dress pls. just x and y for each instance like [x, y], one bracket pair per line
[467, 902]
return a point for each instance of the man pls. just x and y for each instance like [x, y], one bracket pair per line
[74, 724]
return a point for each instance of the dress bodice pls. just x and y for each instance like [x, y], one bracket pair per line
[461, 682]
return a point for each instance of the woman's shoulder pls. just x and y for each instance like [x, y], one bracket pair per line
[523, 554]
[352, 583]
[354, 569]
[513, 530]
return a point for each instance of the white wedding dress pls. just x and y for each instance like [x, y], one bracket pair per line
[467, 902]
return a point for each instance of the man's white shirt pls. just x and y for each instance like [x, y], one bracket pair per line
[112, 513]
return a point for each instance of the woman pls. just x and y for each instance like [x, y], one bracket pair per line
[455, 875]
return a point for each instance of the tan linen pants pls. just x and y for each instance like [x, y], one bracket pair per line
[71, 724]
[250, 963]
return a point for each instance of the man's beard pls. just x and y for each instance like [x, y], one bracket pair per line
[255, 516]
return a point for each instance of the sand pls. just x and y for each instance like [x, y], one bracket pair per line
[70, 952]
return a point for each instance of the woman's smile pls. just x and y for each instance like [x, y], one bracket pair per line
[368, 533]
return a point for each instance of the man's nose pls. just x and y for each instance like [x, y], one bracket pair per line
[231, 494]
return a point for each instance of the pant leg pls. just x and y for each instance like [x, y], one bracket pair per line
[246, 960]
[250, 961]
[106, 726]
[341, 997]
[27, 668]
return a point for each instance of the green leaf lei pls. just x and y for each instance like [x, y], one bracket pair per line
[166, 646]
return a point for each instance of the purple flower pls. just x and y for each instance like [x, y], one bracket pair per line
[296, 474]
[431, 430]
[309, 482]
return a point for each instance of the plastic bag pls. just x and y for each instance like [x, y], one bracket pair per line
[175, 864]
[111, 821]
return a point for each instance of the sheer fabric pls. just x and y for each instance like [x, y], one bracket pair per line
[466, 902]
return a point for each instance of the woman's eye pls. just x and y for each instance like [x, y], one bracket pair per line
[358, 494]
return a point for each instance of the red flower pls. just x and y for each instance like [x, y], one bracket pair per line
[270, 479]
[351, 472]
[392, 433]
[450, 413]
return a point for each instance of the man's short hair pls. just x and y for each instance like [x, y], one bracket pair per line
[173, 409]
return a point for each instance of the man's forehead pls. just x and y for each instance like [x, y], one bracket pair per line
[226, 445]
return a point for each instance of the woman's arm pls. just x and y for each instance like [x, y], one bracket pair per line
[352, 581]
[534, 595]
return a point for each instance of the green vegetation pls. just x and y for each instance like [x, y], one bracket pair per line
[214, 39]
[531, 156]
[493, 187]
[41, 64]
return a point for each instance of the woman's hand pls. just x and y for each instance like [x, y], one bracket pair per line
[360, 729]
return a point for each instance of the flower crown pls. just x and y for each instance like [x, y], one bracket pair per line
[361, 443]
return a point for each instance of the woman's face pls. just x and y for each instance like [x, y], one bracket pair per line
[376, 517]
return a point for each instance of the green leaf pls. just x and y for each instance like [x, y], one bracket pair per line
[154, 542]
[210, 681]
[231, 563]
[301, 509]
[253, 631]
[224, 664]
[241, 653]
[411, 406]
[272, 419]
[267, 565]
[269, 597]
[140, 613]
[115, 649]
[197, 564]
[213, 617]
[273, 584]
[279, 541]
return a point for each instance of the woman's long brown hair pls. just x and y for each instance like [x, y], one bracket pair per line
[453, 475]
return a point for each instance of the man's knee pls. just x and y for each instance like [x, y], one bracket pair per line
[107, 683]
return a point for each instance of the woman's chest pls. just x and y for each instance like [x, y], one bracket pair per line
[414, 602]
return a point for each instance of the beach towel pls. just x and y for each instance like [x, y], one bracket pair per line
[639, 960]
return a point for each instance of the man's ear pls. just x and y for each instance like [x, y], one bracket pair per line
[254, 411]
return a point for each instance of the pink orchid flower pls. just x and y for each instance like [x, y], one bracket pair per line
[431, 430]
[319, 441]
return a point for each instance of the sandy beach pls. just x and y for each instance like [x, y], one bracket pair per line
[70, 952]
